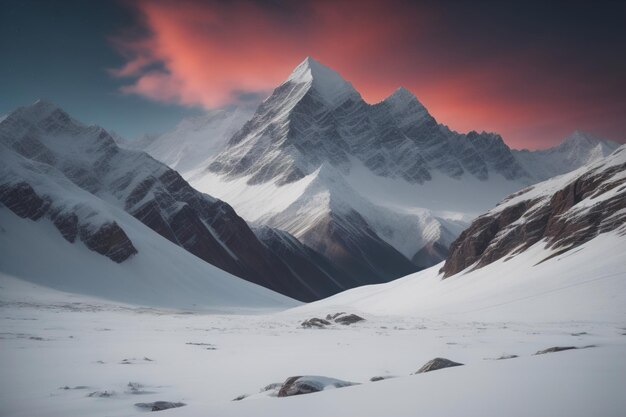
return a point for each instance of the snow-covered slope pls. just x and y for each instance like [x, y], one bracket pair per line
[195, 140]
[588, 283]
[68, 355]
[55, 168]
[159, 274]
[555, 251]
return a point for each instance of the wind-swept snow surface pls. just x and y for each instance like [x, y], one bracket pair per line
[64, 354]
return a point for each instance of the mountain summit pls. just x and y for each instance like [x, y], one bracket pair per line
[327, 83]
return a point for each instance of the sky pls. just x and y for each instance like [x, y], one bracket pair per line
[531, 71]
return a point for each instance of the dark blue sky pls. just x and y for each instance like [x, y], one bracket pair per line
[60, 51]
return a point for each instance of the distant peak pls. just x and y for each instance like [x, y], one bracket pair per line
[580, 138]
[402, 96]
[42, 110]
[327, 82]
[403, 92]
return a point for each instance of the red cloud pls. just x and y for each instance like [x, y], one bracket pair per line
[199, 53]
[207, 52]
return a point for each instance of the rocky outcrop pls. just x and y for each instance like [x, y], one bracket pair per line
[437, 363]
[352, 245]
[22, 200]
[571, 211]
[347, 319]
[299, 385]
[336, 318]
[107, 239]
[315, 322]
[159, 405]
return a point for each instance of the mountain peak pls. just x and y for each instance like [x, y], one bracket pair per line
[586, 141]
[406, 106]
[40, 110]
[581, 138]
[330, 86]
[402, 96]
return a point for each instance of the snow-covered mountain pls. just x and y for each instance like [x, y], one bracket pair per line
[576, 150]
[316, 117]
[355, 181]
[554, 251]
[56, 169]
[195, 140]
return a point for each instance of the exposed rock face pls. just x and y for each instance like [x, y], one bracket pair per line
[298, 385]
[22, 200]
[315, 276]
[352, 245]
[107, 239]
[437, 363]
[564, 212]
[159, 405]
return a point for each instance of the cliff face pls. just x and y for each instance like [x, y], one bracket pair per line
[565, 212]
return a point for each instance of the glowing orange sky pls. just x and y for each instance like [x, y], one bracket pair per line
[213, 54]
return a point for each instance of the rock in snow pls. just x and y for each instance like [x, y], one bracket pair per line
[348, 319]
[315, 322]
[159, 405]
[339, 318]
[555, 349]
[298, 385]
[437, 363]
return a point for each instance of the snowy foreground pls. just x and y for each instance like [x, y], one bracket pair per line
[50, 340]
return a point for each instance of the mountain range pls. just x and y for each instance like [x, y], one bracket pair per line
[313, 192]
[381, 190]
[74, 176]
